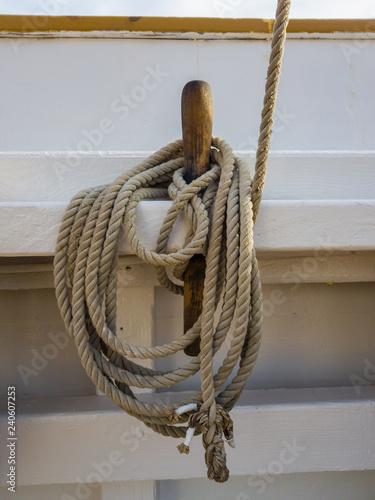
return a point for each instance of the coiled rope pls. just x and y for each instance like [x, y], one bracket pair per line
[85, 269]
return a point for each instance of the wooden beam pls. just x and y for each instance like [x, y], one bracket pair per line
[129, 490]
[349, 268]
[328, 429]
[298, 175]
[283, 226]
[85, 24]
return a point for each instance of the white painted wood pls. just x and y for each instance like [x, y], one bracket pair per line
[318, 269]
[36, 354]
[53, 492]
[26, 281]
[331, 268]
[307, 486]
[50, 98]
[328, 429]
[129, 490]
[189, 35]
[314, 335]
[350, 485]
[282, 226]
[293, 175]
[316, 226]
[135, 319]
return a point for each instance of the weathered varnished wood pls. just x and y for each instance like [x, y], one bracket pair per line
[193, 297]
[197, 115]
[196, 27]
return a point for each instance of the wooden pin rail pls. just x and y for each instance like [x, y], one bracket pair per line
[197, 116]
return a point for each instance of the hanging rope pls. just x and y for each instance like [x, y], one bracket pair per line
[85, 270]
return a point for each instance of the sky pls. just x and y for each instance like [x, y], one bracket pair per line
[191, 8]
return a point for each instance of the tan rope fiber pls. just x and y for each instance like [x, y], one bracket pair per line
[85, 270]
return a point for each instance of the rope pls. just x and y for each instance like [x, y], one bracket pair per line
[85, 269]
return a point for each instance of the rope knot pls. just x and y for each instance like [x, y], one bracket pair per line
[212, 438]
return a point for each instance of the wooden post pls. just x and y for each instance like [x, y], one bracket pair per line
[197, 115]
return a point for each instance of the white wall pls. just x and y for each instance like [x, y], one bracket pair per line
[55, 89]
[312, 486]
[30, 359]
[318, 336]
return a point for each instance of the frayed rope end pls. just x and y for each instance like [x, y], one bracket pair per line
[183, 448]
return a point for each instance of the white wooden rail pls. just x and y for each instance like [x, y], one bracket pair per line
[106, 441]
[312, 201]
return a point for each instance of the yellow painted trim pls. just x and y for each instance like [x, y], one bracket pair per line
[50, 24]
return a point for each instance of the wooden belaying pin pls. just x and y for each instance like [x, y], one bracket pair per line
[197, 115]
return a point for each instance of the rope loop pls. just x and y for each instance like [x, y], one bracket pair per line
[220, 208]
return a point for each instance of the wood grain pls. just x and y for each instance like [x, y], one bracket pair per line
[99, 25]
[197, 116]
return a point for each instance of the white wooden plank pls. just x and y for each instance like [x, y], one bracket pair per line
[23, 222]
[319, 268]
[53, 492]
[327, 429]
[282, 226]
[267, 485]
[26, 281]
[135, 319]
[57, 176]
[129, 490]
[333, 112]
